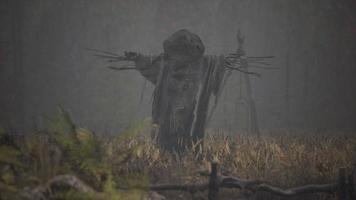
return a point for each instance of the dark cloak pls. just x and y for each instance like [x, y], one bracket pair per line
[184, 82]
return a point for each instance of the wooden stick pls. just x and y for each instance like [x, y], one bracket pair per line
[351, 186]
[42, 191]
[214, 182]
[342, 184]
[261, 67]
[259, 57]
[243, 71]
[259, 62]
[122, 68]
[187, 187]
[101, 51]
[213, 186]
[262, 186]
[109, 57]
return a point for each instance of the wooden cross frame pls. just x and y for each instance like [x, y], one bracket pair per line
[242, 63]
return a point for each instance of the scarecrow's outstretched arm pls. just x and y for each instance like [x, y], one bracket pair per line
[148, 66]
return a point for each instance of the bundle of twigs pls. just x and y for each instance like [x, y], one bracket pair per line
[126, 60]
[233, 61]
[242, 64]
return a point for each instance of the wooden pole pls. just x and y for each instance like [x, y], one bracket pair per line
[213, 182]
[252, 113]
[252, 117]
[342, 184]
[351, 185]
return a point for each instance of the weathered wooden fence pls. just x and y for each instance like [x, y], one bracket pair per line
[344, 187]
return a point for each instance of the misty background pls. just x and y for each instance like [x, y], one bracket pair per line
[44, 61]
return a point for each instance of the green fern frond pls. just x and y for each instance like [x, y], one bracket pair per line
[135, 128]
[10, 155]
[62, 123]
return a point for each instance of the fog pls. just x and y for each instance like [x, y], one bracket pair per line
[44, 61]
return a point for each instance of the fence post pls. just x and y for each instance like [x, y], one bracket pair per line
[342, 184]
[213, 182]
[351, 185]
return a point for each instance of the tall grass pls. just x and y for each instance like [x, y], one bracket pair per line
[108, 163]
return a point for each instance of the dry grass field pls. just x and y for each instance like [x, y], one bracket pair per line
[110, 163]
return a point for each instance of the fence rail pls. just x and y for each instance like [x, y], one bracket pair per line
[344, 187]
